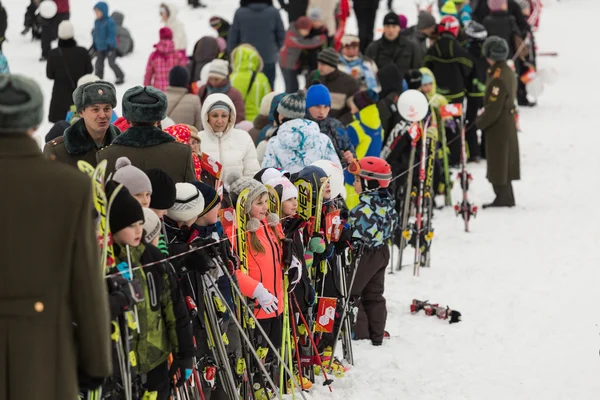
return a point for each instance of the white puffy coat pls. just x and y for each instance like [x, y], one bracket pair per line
[234, 148]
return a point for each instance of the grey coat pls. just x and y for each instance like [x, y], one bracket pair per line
[259, 25]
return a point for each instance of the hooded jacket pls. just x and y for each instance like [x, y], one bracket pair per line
[160, 63]
[225, 88]
[179, 35]
[247, 77]
[124, 39]
[105, 30]
[298, 143]
[233, 148]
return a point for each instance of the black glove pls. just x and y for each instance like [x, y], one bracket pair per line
[199, 261]
[183, 369]
[344, 241]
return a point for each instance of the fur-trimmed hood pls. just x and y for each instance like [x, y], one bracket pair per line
[143, 136]
[78, 140]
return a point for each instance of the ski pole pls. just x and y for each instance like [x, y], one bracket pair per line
[294, 331]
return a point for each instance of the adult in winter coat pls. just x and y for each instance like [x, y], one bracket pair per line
[105, 42]
[500, 22]
[231, 147]
[205, 50]
[298, 142]
[124, 39]
[394, 48]
[183, 106]
[218, 82]
[361, 68]
[297, 40]
[162, 60]
[247, 77]
[422, 31]
[366, 12]
[144, 143]
[341, 86]
[259, 24]
[498, 123]
[59, 318]
[50, 26]
[168, 14]
[66, 64]
[94, 102]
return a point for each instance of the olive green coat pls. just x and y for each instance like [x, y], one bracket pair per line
[76, 144]
[54, 317]
[149, 147]
[498, 124]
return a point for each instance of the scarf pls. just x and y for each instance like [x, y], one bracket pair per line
[221, 89]
[366, 73]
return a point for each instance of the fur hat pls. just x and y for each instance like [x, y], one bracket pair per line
[65, 30]
[97, 92]
[495, 48]
[144, 104]
[152, 225]
[133, 178]
[329, 56]
[21, 103]
[163, 186]
[236, 184]
[125, 210]
[292, 106]
[189, 203]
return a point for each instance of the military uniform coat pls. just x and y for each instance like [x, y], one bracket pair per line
[148, 147]
[498, 123]
[77, 144]
[54, 317]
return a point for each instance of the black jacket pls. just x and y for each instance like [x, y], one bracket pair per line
[481, 10]
[294, 8]
[66, 64]
[416, 36]
[402, 51]
[480, 67]
[504, 25]
[452, 67]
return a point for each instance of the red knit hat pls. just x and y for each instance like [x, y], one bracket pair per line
[303, 23]
[165, 33]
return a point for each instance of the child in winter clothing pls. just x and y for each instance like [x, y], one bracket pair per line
[221, 26]
[134, 179]
[162, 199]
[248, 79]
[218, 82]
[165, 326]
[317, 28]
[105, 42]
[297, 40]
[183, 134]
[298, 142]
[374, 221]
[162, 60]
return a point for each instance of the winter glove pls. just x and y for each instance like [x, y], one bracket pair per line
[199, 261]
[294, 273]
[183, 369]
[266, 300]
[344, 241]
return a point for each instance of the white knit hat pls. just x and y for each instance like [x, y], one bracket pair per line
[265, 104]
[218, 69]
[152, 225]
[189, 203]
[286, 189]
[65, 30]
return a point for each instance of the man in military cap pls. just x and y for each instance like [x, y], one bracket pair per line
[53, 303]
[144, 143]
[498, 123]
[81, 141]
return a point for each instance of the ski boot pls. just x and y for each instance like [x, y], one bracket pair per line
[418, 305]
[332, 364]
[306, 383]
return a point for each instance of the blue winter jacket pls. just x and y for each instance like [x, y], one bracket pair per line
[105, 30]
[259, 25]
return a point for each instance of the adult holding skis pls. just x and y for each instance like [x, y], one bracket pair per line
[94, 101]
[56, 314]
[498, 123]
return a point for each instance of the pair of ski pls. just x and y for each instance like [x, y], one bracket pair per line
[434, 309]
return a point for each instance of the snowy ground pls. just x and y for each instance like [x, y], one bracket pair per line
[524, 279]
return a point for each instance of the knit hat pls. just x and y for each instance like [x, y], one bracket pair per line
[98, 92]
[179, 77]
[189, 203]
[218, 69]
[318, 95]
[65, 30]
[58, 129]
[163, 189]
[133, 178]
[237, 184]
[165, 33]
[495, 48]
[180, 132]
[365, 98]
[315, 14]
[152, 225]
[403, 21]
[449, 8]
[220, 105]
[87, 78]
[303, 23]
[413, 78]
[391, 18]
[21, 103]
[267, 174]
[425, 20]
[125, 210]
[210, 196]
[284, 188]
[426, 79]
[144, 104]
[497, 5]
[390, 79]
[265, 103]
[329, 57]
[292, 106]
[347, 40]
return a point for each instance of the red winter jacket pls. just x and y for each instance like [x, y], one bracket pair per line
[265, 268]
[160, 63]
[62, 6]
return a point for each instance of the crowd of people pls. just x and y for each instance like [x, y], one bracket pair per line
[221, 189]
